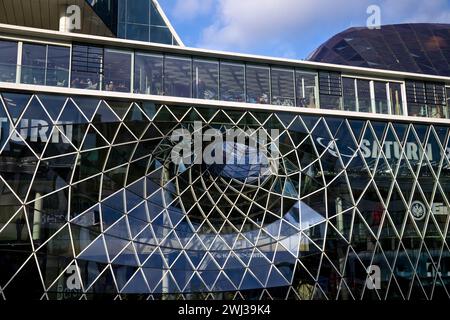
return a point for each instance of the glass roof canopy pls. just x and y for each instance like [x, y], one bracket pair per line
[421, 48]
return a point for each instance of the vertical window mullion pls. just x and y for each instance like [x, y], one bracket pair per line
[389, 102]
[19, 61]
[295, 87]
[46, 65]
[372, 97]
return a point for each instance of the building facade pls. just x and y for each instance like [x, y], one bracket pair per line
[339, 186]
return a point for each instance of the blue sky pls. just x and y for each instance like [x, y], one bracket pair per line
[286, 28]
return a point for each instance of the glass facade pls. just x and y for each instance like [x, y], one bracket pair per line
[148, 73]
[206, 79]
[93, 204]
[283, 87]
[140, 20]
[156, 73]
[232, 82]
[258, 84]
[178, 76]
[93, 207]
[45, 65]
[117, 70]
[87, 67]
[8, 58]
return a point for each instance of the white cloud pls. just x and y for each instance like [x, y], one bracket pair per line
[191, 9]
[244, 24]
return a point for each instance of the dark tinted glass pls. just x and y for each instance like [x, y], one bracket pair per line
[395, 95]
[283, 90]
[33, 63]
[258, 84]
[148, 72]
[178, 77]
[160, 35]
[58, 61]
[349, 94]
[117, 71]
[87, 67]
[206, 79]
[138, 11]
[8, 61]
[232, 82]
[381, 97]
[364, 100]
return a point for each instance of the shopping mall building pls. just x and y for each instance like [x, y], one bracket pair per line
[347, 195]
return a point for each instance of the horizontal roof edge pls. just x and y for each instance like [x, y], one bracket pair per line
[19, 31]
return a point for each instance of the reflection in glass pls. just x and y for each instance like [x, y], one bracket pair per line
[8, 61]
[33, 63]
[364, 100]
[258, 84]
[58, 60]
[206, 79]
[395, 96]
[177, 77]
[232, 82]
[137, 32]
[306, 89]
[155, 17]
[381, 97]
[138, 11]
[117, 71]
[148, 72]
[87, 67]
[45, 65]
[140, 20]
[160, 35]
[349, 94]
[283, 89]
[436, 100]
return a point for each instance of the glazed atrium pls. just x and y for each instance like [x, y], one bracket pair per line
[354, 204]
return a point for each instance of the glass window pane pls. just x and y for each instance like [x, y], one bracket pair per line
[137, 32]
[33, 63]
[395, 95]
[155, 17]
[160, 35]
[148, 71]
[138, 11]
[306, 88]
[381, 101]
[58, 61]
[283, 88]
[177, 77]
[349, 94]
[206, 79]
[435, 94]
[258, 84]
[364, 100]
[121, 9]
[117, 71]
[87, 65]
[232, 82]
[8, 61]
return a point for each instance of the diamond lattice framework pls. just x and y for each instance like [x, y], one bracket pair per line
[92, 205]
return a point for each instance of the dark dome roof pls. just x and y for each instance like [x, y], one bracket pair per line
[419, 48]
